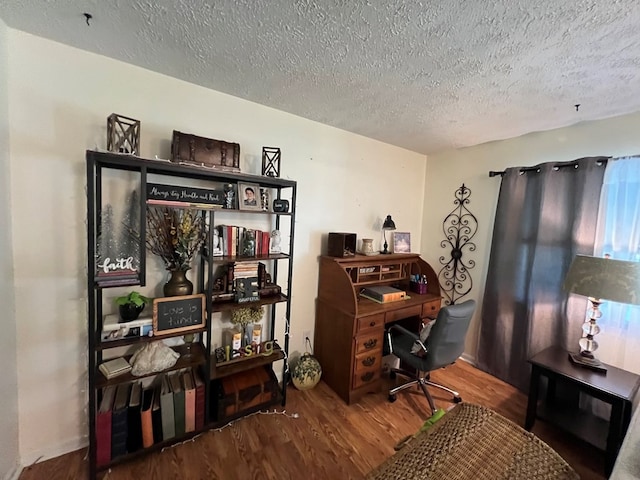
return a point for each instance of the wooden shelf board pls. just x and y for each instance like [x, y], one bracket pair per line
[257, 258]
[228, 306]
[240, 365]
[125, 342]
[197, 358]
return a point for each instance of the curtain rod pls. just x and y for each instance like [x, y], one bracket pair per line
[493, 173]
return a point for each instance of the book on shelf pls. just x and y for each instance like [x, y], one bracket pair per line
[178, 403]
[189, 402]
[146, 422]
[112, 329]
[114, 282]
[103, 426]
[383, 294]
[156, 415]
[200, 400]
[116, 275]
[115, 367]
[134, 433]
[119, 421]
[166, 409]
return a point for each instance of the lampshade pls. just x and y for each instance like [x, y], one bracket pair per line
[604, 278]
[388, 224]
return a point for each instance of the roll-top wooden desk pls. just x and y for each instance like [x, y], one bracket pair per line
[349, 329]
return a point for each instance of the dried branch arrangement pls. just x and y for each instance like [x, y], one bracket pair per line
[175, 235]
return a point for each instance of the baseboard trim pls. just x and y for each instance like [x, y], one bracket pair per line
[49, 453]
[469, 359]
[15, 474]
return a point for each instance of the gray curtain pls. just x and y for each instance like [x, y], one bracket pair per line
[545, 216]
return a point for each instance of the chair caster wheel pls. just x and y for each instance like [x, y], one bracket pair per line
[392, 398]
[457, 399]
[392, 375]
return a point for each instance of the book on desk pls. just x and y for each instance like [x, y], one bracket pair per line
[383, 294]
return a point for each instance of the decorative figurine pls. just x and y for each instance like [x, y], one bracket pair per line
[275, 242]
[264, 199]
[217, 251]
[229, 196]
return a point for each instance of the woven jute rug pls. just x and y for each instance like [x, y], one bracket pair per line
[474, 442]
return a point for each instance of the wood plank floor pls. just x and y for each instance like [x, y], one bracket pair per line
[329, 440]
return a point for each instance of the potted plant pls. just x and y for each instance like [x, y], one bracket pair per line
[131, 305]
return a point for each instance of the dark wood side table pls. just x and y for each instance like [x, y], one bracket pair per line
[617, 388]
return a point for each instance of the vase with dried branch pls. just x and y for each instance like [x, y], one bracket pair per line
[176, 236]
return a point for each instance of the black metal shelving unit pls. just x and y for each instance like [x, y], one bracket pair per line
[97, 163]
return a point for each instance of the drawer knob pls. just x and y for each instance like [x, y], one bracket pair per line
[367, 362]
[370, 343]
[372, 324]
[367, 376]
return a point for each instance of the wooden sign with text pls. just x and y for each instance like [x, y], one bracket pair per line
[159, 194]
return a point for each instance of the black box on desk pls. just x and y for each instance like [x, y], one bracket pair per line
[342, 244]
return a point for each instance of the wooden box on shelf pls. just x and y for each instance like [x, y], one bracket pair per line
[341, 244]
[243, 391]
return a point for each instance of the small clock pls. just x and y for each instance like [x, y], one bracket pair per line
[280, 205]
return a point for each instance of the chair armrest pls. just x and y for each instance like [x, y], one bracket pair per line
[403, 331]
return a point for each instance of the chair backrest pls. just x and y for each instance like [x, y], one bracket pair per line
[446, 339]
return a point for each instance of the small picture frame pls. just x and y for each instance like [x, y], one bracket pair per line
[249, 196]
[401, 242]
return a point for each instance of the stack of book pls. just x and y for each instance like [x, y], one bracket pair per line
[113, 329]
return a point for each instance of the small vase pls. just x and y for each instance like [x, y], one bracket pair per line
[178, 284]
[367, 246]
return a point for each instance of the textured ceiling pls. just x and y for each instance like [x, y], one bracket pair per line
[424, 75]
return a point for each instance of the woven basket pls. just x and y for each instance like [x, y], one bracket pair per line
[475, 443]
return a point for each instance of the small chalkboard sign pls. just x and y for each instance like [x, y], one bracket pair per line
[172, 315]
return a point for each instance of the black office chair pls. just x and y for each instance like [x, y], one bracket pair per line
[441, 348]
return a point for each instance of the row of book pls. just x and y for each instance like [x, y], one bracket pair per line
[242, 242]
[131, 417]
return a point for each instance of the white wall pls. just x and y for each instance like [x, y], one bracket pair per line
[60, 98]
[8, 379]
[448, 170]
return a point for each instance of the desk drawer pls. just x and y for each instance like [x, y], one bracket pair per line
[368, 342]
[430, 309]
[365, 376]
[368, 361]
[372, 321]
[401, 313]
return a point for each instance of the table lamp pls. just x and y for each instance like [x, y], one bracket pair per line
[387, 225]
[600, 279]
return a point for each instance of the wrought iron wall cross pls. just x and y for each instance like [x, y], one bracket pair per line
[459, 228]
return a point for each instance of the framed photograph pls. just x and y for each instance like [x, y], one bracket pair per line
[401, 242]
[249, 196]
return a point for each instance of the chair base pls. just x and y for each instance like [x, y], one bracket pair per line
[422, 382]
